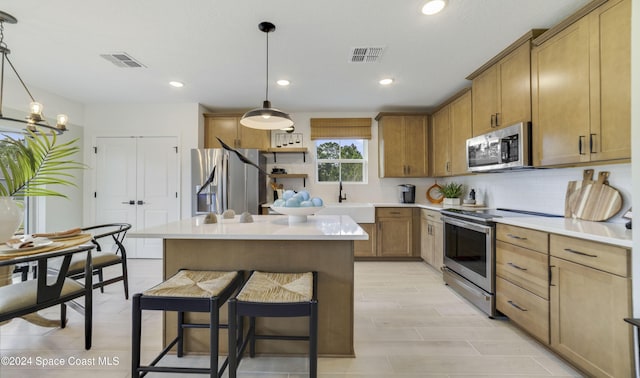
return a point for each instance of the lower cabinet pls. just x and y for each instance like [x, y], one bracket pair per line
[366, 248]
[572, 294]
[395, 232]
[590, 297]
[432, 238]
[522, 278]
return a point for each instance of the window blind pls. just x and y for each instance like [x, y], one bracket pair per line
[340, 128]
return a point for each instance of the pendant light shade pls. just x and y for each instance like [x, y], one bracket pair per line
[266, 118]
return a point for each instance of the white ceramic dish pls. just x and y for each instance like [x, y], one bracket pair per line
[297, 214]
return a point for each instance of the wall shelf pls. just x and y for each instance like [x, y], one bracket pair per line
[275, 151]
[303, 176]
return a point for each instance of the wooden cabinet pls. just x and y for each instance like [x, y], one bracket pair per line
[402, 145]
[450, 129]
[590, 296]
[432, 238]
[501, 89]
[581, 88]
[228, 128]
[366, 248]
[522, 278]
[395, 232]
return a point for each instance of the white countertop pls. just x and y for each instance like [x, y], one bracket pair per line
[264, 227]
[610, 233]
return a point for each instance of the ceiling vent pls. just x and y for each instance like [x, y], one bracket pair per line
[365, 54]
[123, 60]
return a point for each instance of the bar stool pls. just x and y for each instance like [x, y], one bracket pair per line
[186, 291]
[267, 294]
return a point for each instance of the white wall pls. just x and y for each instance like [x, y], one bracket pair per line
[180, 120]
[15, 104]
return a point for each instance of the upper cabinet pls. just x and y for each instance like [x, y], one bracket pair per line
[450, 129]
[228, 128]
[501, 94]
[581, 87]
[402, 145]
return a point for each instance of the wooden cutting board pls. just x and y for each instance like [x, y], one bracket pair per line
[573, 189]
[596, 201]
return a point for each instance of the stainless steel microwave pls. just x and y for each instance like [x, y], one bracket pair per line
[506, 148]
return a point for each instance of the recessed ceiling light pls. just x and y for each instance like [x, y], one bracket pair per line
[432, 7]
[176, 84]
[386, 81]
[283, 82]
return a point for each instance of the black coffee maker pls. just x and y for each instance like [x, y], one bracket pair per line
[407, 193]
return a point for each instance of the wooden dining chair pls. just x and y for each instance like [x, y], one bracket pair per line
[110, 234]
[27, 297]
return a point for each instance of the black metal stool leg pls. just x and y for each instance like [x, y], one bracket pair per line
[213, 338]
[136, 332]
[180, 351]
[233, 338]
[252, 336]
[313, 340]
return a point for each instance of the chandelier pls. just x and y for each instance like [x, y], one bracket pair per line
[35, 119]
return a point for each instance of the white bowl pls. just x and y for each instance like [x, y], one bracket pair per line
[297, 214]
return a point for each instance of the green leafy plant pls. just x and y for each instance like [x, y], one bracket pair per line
[452, 190]
[29, 166]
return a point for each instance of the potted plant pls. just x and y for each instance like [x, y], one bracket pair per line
[28, 168]
[452, 192]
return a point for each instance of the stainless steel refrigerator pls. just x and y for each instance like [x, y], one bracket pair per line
[221, 181]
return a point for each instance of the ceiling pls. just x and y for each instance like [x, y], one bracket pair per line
[216, 49]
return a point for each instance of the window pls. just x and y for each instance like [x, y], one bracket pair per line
[341, 160]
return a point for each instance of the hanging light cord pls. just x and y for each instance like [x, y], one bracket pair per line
[267, 84]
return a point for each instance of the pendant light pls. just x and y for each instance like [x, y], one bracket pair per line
[35, 120]
[266, 118]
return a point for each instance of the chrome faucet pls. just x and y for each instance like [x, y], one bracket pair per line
[340, 196]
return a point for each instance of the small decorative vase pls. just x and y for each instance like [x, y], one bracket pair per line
[452, 202]
[10, 218]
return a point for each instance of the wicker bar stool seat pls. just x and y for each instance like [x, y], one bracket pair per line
[267, 294]
[186, 291]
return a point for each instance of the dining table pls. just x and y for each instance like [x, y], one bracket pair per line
[44, 248]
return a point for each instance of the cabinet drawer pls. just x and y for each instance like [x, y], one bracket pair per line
[596, 255]
[432, 215]
[523, 237]
[393, 211]
[523, 267]
[524, 308]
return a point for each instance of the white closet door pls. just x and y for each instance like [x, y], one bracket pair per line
[157, 189]
[137, 182]
[115, 180]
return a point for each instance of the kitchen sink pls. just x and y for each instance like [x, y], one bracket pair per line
[361, 212]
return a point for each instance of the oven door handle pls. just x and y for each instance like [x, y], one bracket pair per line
[469, 225]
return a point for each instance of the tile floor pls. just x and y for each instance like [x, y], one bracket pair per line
[407, 324]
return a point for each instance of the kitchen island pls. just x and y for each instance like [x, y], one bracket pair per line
[323, 243]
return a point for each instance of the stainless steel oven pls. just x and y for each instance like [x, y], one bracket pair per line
[469, 257]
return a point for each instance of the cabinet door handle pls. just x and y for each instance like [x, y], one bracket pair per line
[497, 119]
[516, 306]
[493, 121]
[579, 253]
[591, 143]
[516, 237]
[580, 144]
[130, 202]
[515, 266]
